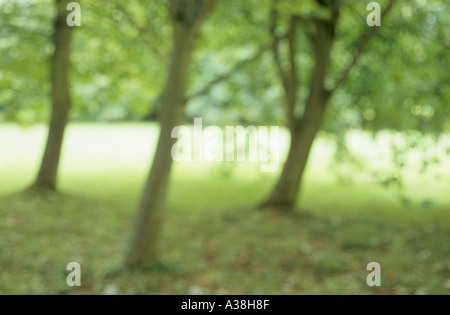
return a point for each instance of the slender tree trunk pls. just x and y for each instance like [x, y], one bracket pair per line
[149, 220]
[284, 195]
[304, 130]
[61, 103]
[188, 16]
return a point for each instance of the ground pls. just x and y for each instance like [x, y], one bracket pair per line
[214, 241]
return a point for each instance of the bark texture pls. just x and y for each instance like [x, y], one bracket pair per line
[187, 16]
[61, 103]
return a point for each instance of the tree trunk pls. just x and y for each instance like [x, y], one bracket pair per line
[284, 195]
[187, 16]
[61, 103]
[304, 131]
[143, 249]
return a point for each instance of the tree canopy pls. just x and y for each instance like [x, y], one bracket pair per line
[399, 83]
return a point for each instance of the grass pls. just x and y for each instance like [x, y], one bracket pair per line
[214, 241]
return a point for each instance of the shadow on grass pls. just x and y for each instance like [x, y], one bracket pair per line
[222, 250]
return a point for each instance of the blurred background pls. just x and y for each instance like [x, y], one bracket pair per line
[376, 184]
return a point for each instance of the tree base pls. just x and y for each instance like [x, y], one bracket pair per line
[41, 189]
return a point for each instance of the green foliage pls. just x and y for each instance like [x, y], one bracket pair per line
[24, 51]
[117, 76]
[120, 56]
[399, 83]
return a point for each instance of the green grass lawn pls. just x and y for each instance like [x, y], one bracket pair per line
[214, 241]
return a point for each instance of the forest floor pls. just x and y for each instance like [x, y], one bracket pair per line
[214, 241]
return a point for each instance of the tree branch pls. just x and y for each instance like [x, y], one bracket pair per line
[207, 8]
[238, 66]
[143, 32]
[292, 79]
[364, 42]
[276, 48]
[288, 77]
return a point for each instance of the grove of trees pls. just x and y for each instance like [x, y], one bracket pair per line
[309, 65]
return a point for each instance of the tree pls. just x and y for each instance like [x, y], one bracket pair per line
[187, 17]
[305, 126]
[61, 102]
